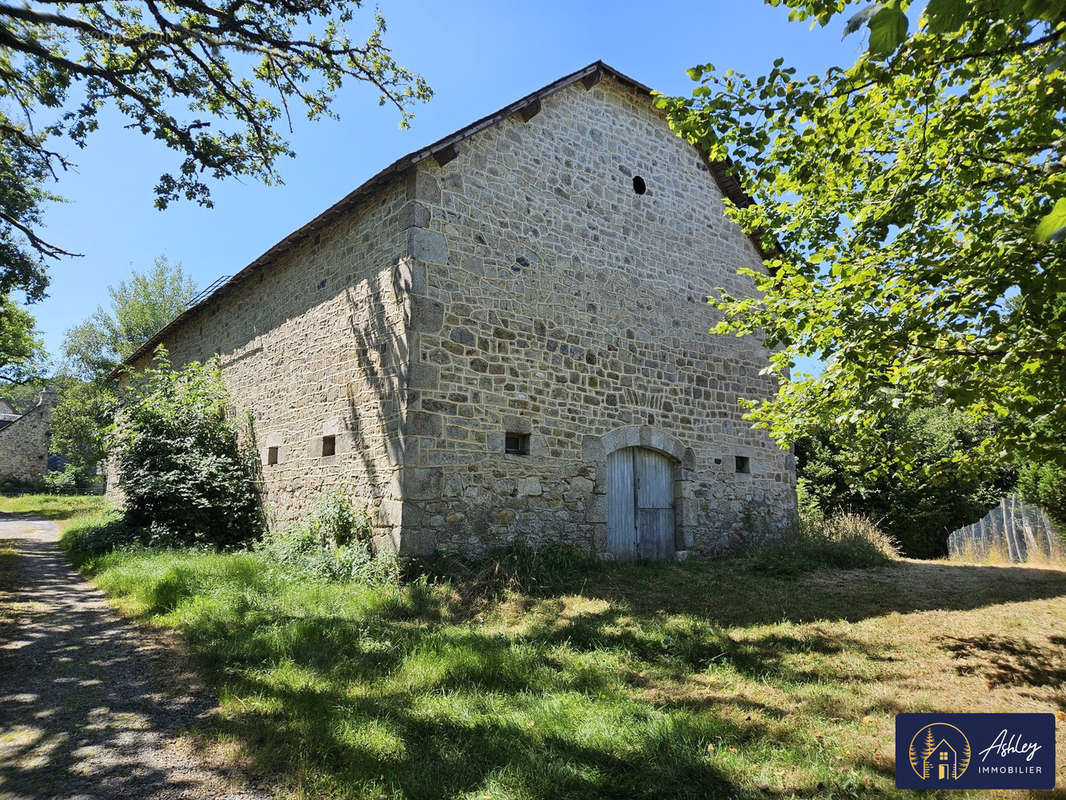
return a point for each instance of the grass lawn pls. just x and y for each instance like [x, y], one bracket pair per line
[695, 680]
[51, 506]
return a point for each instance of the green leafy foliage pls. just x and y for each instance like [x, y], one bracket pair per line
[72, 479]
[888, 28]
[1053, 226]
[214, 82]
[80, 422]
[332, 544]
[185, 476]
[916, 479]
[299, 554]
[24, 168]
[1045, 484]
[140, 306]
[22, 355]
[93, 349]
[899, 202]
[335, 523]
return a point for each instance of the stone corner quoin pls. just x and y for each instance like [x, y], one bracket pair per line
[471, 350]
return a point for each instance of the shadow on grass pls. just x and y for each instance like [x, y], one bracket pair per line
[1011, 660]
[351, 692]
[356, 709]
[727, 594]
[86, 706]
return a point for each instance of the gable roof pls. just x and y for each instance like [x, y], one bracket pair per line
[443, 150]
[946, 744]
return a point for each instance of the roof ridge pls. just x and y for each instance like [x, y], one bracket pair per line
[443, 150]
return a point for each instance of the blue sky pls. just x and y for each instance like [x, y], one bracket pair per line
[477, 56]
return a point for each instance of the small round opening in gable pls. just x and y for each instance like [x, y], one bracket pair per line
[639, 186]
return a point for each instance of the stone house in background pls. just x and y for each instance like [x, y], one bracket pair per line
[24, 440]
[504, 336]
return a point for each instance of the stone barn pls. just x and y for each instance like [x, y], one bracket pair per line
[24, 440]
[504, 336]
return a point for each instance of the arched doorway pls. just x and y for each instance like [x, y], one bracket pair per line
[640, 504]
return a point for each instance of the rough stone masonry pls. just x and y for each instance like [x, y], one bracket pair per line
[24, 441]
[463, 343]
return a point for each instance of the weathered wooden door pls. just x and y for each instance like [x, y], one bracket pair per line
[640, 504]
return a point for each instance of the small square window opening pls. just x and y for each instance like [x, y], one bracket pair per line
[517, 444]
[743, 465]
[329, 445]
[272, 456]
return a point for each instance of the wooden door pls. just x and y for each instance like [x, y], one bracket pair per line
[640, 504]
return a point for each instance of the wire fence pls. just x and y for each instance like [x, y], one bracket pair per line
[1014, 531]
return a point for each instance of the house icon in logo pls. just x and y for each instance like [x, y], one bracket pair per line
[939, 752]
[943, 762]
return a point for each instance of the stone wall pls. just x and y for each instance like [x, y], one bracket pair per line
[24, 442]
[523, 287]
[314, 345]
[571, 308]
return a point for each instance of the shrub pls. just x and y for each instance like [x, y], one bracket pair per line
[844, 541]
[186, 478]
[1045, 485]
[298, 554]
[335, 522]
[70, 480]
[919, 477]
[332, 544]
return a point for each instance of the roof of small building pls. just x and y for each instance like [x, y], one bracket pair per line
[442, 150]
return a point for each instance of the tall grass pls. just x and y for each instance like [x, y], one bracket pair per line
[843, 541]
[996, 552]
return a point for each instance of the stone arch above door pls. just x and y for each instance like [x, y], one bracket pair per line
[644, 436]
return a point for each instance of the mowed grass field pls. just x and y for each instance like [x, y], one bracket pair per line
[694, 680]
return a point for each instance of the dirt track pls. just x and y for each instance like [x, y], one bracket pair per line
[89, 707]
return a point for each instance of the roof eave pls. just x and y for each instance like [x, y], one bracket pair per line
[720, 171]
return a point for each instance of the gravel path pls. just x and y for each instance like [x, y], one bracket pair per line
[90, 708]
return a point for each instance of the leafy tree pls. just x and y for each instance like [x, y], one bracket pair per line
[140, 306]
[80, 421]
[914, 208]
[22, 353]
[1045, 485]
[212, 81]
[932, 485]
[184, 475]
[1044, 482]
